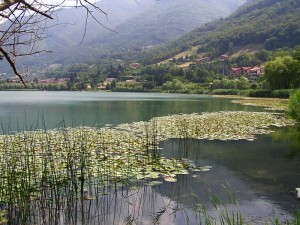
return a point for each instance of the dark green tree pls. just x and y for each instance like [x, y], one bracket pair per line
[283, 73]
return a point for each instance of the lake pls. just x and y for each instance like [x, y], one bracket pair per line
[262, 175]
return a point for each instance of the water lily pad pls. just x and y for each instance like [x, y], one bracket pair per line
[154, 183]
[170, 179]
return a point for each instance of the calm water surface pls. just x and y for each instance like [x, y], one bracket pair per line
[263, 174]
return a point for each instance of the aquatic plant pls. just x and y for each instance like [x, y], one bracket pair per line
[211, 126]
[268, 103]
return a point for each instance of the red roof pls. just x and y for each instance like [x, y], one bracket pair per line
[246, 68]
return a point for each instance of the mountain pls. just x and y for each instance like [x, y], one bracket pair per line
[268, 24]
[71, 30]
[137, 26]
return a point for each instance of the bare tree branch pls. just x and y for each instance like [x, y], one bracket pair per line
[12, 64]
[23, 23]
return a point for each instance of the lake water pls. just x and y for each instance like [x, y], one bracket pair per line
[262, 174]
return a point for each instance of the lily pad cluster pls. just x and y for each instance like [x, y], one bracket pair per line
[30, 161]
[269, 103]
[211, 126]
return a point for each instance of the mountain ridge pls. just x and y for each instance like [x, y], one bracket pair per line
[270, 23]
[139, 26]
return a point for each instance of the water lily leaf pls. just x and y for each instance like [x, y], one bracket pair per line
[152, 175]
[170, 179]
[154, 183]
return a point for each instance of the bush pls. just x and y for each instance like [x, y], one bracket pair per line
[224, 84]
[260, 93]
[294, 105]
[283, 93]
[244, 92]
[225, 92]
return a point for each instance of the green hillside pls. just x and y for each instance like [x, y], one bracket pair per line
[270, 23]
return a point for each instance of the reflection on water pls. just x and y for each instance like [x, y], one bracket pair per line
[33, 110]
[291, 136]
[261, 173]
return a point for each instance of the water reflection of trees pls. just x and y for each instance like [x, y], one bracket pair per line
[117, 206]
[291, 135]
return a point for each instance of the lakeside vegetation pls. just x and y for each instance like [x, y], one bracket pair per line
[279, 78]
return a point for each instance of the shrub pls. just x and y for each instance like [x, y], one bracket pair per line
[225, 92]
[260, 93]
[283, 93]
[294, 105]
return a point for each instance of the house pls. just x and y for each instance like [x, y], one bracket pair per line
[236, 72]
[101, 86]
[245, 70]
[255, 71]
[250, 72]
[88, 86]
[134, 65]
[224, 57]
[203, 60]
[109, 80]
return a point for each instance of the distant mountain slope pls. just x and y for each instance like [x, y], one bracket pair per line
[139, 25]
[170, 19]
[271, 23]
[166, 20]
[70, 25]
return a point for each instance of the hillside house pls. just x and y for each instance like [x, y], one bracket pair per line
[109, 80]
[250, 72]
[255, 71]
[88, 86]
[203, 60]
[236, 72]
[245, 70]
[134, 65]
[224, 57]
[101, 86]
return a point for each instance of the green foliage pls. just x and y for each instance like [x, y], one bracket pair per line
[224, 84]
[283, 72]
[242, 83]
[225, 92]
[260, 93]
[294, 105]
[174, 85]
[113, 84]
[282, 93]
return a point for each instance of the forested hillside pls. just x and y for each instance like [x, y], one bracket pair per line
[270, 23]
[137, 26]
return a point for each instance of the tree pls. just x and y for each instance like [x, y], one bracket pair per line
[23, 23]
[283, 72]
[113, 84]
